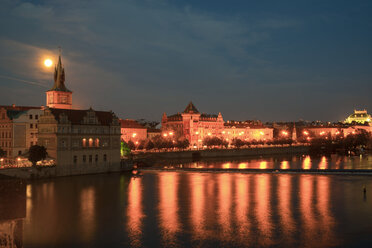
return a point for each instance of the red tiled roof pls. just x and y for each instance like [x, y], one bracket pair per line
[76, 116]
[130, 124]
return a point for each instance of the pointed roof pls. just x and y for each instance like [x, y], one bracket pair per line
[190, 109]
[59, 77]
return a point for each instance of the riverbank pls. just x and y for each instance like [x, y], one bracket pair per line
[55, 171]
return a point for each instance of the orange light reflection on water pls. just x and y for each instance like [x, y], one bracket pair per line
[263, 164]
[262, 208]
[87, 213]
[197, 183]
[242, 206]
[168, 207]
[284, 165]
[323, 163]
[306, 195]
[224, 203]
[284, 198]
[135, 212]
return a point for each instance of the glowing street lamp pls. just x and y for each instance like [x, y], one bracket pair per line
[285, 133]
[48, 62]
[306, 133]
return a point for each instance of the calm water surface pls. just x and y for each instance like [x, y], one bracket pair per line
[190, 209]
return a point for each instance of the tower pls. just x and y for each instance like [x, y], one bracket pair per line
[59, 96]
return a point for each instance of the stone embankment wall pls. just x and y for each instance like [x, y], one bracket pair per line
[55, 171]
[215, 153]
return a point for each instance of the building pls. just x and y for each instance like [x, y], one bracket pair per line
[78, 139]
[18, 128]
[59, 96]
[359, 116]
[246, 131]
[132, 130]
[192, 125]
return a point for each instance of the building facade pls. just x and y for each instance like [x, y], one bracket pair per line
[246, 131]
[59, 96]
[18, 129]
[80, 138]
[192, 125]
[359, 117]
[132, 130]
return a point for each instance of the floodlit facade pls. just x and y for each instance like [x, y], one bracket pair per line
[80, 138]
[18, 129]
[132, 130]
[192, 125]
[359, 116]
[246, 131]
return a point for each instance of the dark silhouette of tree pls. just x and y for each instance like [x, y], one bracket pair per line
[237, 142]
[36, 153]
[131, 145]
[2, 153]
[182, 143]
[149, 145]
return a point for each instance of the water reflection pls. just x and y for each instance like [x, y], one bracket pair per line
[168, 207]
[135, 212]
[305, 162]
[188, 209]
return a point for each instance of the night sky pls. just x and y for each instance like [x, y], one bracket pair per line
[269, 60]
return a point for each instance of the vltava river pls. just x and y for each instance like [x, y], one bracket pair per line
[191, 209]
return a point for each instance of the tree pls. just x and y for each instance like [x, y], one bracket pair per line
[149, 145]
[36, 153]
[2, 153]
[237, 143]
[124, 149]
[182, 143]
[131, 145]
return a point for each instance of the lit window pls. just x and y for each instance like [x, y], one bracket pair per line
[84, 142]
[97, 143]
[90, 142]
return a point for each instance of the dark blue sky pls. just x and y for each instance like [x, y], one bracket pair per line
[268, 60]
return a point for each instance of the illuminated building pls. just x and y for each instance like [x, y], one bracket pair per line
[59, 96]
[132, 130]
[192, 125]
[18, 128]
[78, 138]
[246, 131]
[359, 116]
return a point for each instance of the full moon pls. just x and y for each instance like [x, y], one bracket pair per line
[48, 63]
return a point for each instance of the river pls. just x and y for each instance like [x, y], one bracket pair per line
[192, 209]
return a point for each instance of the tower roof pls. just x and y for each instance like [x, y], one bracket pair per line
[59, 77]
[190, 109]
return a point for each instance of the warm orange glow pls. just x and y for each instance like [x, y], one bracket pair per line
[243, 165]
[48, 62]
[284, 199]
[168, 206]
[306, 133]
[197, 183]
[306, 164]
[226, 165]
[323, 163]
[322, 133]
[262, 195]
[18, 159]
[170, 133]
[87, 213]
[242, 205]
[284, 165]
[165, 135]
[134, 135]
[263, 164]
[285, 133]
[196, 132]
[209, 134]
[224, 202]
[307, 212]
[262, 133]
[90, 142]
[135, 212]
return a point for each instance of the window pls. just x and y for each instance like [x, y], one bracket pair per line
[31, 125]
[97, 143]
[84, 142]
[30, 117]
[90, 142]
[35, 125]
[75, 159]
[84, 158]
[96, 158]
[90, 158]
[36, 117]
[19, 152]
[104, 157]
